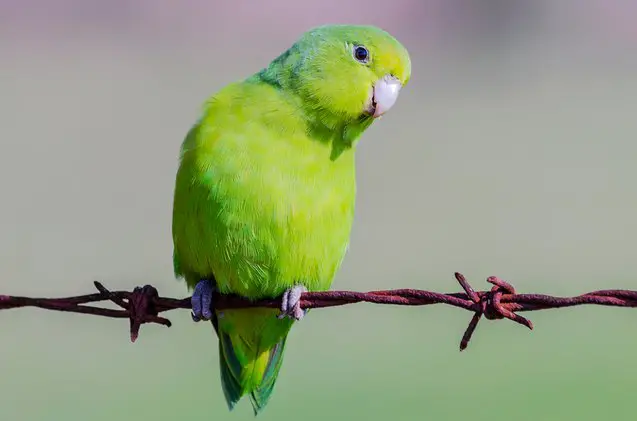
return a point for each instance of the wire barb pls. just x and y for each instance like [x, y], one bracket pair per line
[144, 304]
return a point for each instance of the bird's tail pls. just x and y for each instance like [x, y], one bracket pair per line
[249, 368]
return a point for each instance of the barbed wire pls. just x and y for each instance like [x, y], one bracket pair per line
[144, 304]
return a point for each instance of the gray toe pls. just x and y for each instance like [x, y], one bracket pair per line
[284, 301]
[201, 300]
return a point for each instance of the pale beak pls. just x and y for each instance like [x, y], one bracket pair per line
[385, 94]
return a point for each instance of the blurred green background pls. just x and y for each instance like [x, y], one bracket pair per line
[511, 153]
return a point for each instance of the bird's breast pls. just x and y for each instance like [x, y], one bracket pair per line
[286, 223]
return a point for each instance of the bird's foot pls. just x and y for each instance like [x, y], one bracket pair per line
[291, 303]
[201, 300]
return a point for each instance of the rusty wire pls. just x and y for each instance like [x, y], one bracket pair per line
[143, 304]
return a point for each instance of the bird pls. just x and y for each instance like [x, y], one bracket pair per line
[265, 190]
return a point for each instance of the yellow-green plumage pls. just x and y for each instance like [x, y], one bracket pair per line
[265, 190]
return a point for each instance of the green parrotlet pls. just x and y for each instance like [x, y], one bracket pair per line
[265, 190]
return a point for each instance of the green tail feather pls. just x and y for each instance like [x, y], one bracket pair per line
[229, 364]
[261, 395]
[254, 377]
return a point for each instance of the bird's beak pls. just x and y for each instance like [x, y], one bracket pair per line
[384, 95]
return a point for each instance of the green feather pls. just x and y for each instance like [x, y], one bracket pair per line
[230, 368]
[260, 395]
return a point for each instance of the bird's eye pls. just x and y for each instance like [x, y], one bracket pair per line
[361, 54]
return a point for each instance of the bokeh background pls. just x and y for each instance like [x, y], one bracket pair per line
[512, 152]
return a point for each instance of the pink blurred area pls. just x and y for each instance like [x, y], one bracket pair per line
[430, 22]
[203, 19]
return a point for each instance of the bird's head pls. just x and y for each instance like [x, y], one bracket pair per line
[345, 77]
[351, 71]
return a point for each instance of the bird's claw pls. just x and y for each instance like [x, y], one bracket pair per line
[201, 300]
[291, 303]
